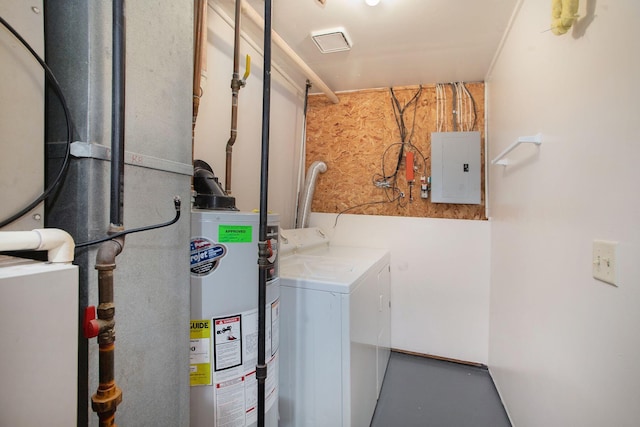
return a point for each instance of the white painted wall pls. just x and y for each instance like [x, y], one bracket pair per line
[564, 348]
[214, 123]
[439, 279]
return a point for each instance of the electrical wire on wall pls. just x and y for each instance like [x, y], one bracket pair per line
[441, 102]
[406, 151]
[389, 181]
[464, 110]
[67, 116]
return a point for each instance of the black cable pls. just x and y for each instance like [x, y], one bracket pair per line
[398, 113]
[176, 202]
[382, 180]
[378, 202]
[67, 115]
[384, 177]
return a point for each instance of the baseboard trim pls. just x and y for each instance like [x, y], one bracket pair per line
[445, 359]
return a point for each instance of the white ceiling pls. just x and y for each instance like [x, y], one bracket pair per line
[396, 43]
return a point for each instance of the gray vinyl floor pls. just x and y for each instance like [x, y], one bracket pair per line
[423, 392]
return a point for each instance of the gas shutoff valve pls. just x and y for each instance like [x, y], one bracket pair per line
[91, 326]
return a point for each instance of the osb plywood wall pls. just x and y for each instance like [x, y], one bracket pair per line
[354, 136]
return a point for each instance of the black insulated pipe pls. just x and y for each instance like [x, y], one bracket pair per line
[263, 251]
[117, 113]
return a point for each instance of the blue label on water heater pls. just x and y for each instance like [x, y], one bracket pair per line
[205, 255]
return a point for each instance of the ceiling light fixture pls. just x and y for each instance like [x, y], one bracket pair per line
[372, 2]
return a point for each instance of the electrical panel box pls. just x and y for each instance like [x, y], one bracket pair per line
[455, 167]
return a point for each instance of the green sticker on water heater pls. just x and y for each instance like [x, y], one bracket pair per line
[234, 233]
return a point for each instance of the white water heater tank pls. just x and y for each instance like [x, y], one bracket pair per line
[224, 319]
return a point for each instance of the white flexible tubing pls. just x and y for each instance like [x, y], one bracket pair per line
[444, 108]
[470, 106]
[467, 105]
[460, 108]
[461, 111]
[440, 108]
[437, 109]
[58, 244]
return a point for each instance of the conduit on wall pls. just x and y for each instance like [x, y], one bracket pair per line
[290, 53]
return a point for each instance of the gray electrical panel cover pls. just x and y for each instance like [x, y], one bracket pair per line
[455, 167]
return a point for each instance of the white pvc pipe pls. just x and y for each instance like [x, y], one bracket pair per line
[279, 41]
[58, 244]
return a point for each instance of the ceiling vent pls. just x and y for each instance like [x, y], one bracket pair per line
[333, 40]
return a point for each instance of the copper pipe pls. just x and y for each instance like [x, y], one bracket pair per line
[108, 396]
[200, 57]
[236, 84]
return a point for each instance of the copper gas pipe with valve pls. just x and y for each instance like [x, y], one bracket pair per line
[236, 85]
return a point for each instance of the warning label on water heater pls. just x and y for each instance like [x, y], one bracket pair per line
[228, 342]
[205, 255]
[200, 352]
[235, 355]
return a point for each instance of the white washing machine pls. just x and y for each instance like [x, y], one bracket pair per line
[334, 331]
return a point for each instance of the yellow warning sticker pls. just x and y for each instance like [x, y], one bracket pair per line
[200, 353]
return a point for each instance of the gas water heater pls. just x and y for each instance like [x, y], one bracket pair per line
[224, 315]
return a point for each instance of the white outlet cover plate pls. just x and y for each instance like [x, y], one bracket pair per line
[604, 261]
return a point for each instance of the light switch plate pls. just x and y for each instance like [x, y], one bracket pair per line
[604, 261]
